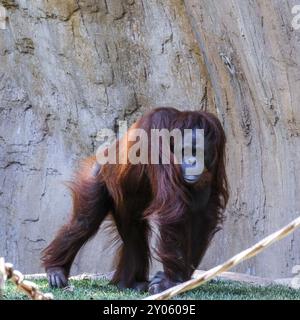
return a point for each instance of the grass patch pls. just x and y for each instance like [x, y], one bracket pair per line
[213, 290]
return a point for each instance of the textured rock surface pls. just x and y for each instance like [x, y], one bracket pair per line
[252, 56]
[69, 68]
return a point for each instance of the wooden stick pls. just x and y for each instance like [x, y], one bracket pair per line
[244, 255]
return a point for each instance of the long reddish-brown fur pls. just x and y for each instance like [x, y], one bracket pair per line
[187, 216]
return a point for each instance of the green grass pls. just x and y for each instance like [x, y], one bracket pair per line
[214, 290]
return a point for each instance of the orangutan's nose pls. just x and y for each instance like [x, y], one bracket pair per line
[191, 161]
